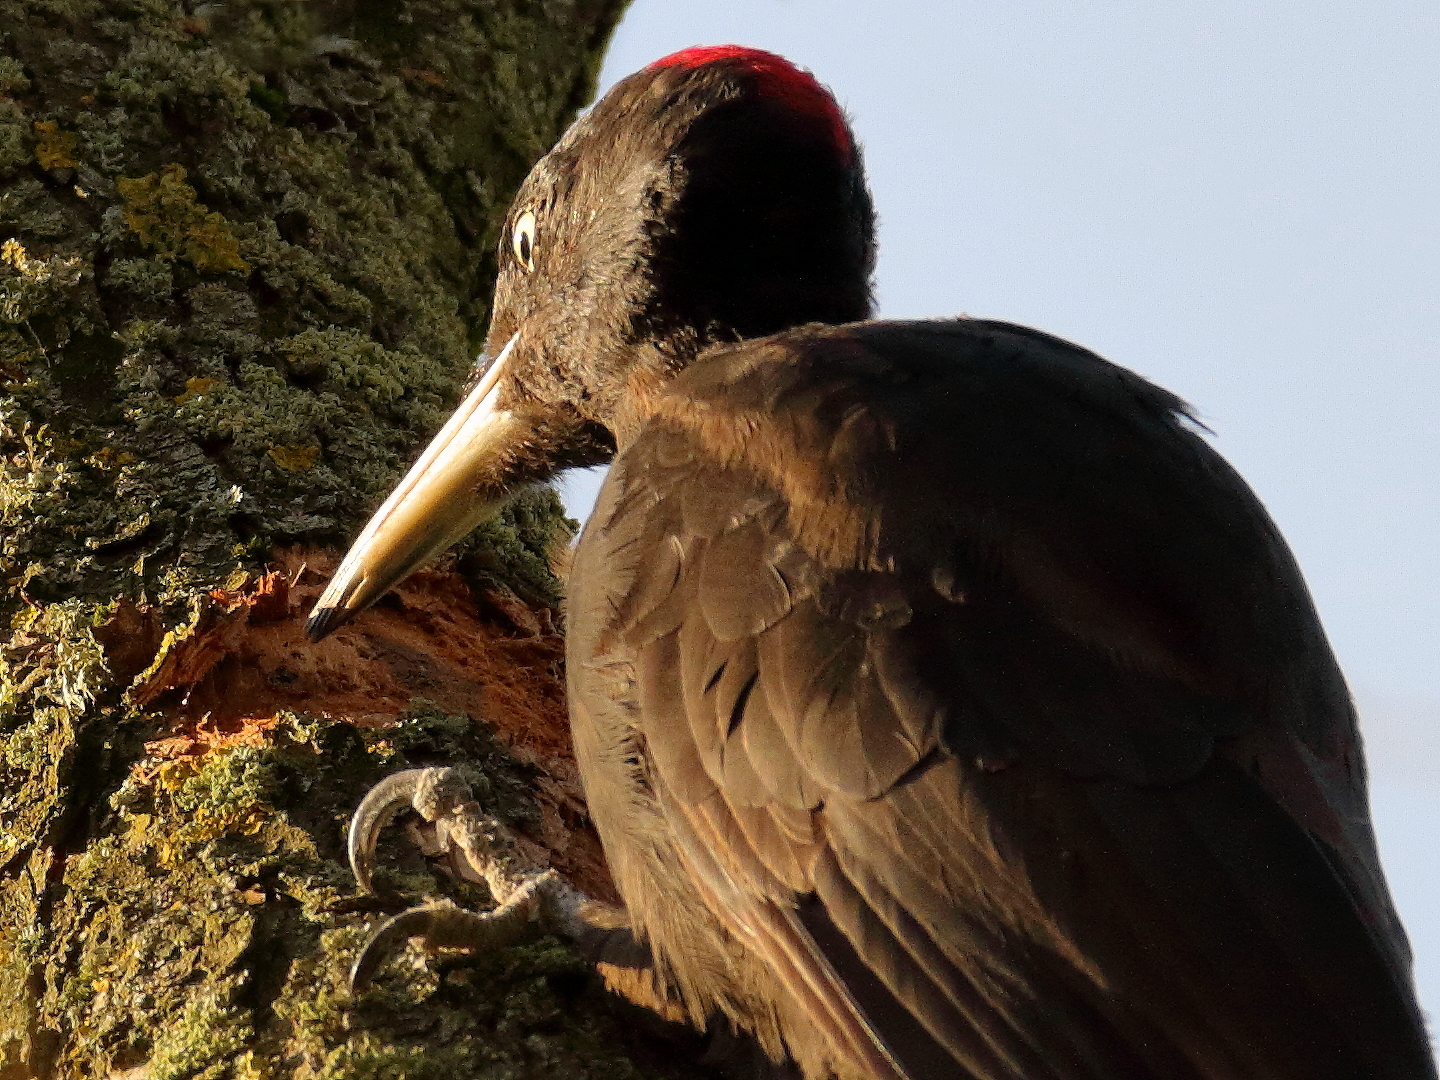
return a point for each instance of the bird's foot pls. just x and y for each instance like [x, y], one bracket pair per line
[530, 900]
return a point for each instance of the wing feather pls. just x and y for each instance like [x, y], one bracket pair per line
[985, 710]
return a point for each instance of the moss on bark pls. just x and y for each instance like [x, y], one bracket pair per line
[246, 264]
[206, 929]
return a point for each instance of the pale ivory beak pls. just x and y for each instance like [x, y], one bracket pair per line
[440, 500]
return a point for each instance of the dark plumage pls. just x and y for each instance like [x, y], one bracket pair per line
[947, 707]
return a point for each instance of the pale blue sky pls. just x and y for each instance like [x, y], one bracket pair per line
[1238, 200]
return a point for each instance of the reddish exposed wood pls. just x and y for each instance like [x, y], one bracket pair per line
[247, 659]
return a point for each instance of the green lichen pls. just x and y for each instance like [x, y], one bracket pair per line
[518, 547]
[245, 271]
[14, 144]
[12, 77]
[208, 1037]
[208, 928]
[142, 279]
[326, 263]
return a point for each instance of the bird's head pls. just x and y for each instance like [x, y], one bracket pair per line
[715, 196]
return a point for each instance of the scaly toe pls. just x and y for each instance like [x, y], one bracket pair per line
[539, 904]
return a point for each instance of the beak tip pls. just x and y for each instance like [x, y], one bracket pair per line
[324, 619]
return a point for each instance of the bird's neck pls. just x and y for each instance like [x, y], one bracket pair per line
[636, 403]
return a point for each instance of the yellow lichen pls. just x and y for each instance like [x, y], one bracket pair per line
[294, 458]
[196, 388]
[13, 252]
[54, 149]
[213, 247]
[165, 213]
[109, 458]
[61, 270]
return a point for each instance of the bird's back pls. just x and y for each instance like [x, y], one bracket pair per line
[937, 686]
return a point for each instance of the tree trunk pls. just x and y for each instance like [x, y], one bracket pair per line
[248, 251]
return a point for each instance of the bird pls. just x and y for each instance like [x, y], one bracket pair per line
[946, 705]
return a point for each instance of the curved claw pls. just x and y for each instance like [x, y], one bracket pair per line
[380, 804]
[432, 792]
[412, 922]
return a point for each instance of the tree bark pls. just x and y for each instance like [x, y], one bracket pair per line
[247, 260]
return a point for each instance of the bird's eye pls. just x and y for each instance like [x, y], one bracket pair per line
[522, 240]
